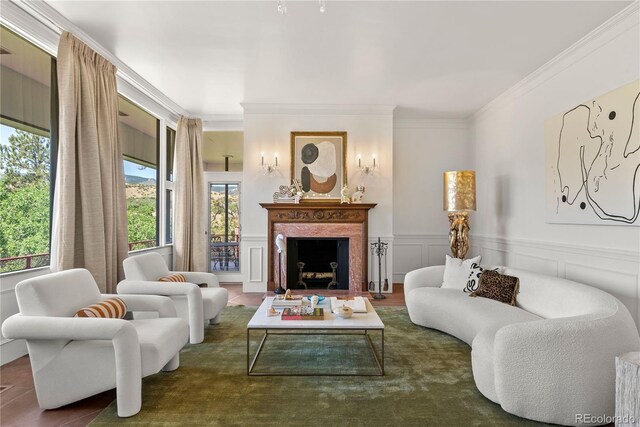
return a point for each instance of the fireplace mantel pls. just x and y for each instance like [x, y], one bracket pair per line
[311, 216]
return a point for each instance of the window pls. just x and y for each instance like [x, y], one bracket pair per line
[139, 137]
[224, 227]
[25, 153]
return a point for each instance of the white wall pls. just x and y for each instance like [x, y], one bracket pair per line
[509, 227]
[422, 150]
[267, 129]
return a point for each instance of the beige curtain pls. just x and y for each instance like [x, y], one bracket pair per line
[189, 247]
[89, 226]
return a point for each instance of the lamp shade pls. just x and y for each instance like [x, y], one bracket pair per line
[459, 191]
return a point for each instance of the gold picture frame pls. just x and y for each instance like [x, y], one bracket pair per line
[319, 161]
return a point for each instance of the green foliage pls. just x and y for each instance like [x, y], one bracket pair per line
[141, 215]
[25, 160]
[24, 215]
[218, 209]
[24, 199]
[24, 202]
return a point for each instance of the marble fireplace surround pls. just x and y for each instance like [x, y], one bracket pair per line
[320, 219]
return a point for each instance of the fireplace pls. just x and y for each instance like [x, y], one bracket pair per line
[319, 220]
[317, 263]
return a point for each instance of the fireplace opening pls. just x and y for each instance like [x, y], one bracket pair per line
[317, 263]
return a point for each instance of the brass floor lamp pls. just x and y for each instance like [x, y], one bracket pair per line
[459, 197]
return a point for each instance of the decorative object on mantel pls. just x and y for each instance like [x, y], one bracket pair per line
[459, 197]
[318, 160]
[367, 169]
[357, 196]
[592, 157]
[288, 194]
[628, 389]
[280, 245]
[269, 168]
[344, 195]
[380, 250]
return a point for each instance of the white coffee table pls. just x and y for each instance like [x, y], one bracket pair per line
[358, 324]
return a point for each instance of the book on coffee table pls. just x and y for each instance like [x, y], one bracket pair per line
[302, 313]
[279, 301]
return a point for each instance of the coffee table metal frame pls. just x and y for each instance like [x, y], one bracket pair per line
[358, 326]
[363, 332]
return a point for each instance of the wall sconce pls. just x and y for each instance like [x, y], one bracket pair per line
[366, 169]
[269, 168]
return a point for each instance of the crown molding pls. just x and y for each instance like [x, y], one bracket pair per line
[46, 37]
[621, 22]
[427, 123]
[317, 109]
[223, 122]
[56, 23]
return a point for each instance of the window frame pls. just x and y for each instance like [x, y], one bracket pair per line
[53, 139]
[159, 126]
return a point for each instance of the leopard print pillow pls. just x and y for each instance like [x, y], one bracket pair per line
[496, 286]
[474, 278]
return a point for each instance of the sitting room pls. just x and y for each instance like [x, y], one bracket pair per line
[319, 212]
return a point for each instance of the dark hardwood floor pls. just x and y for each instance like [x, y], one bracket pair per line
[18, 404]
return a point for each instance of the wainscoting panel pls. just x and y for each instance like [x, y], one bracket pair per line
[618, 283]
[539, 264]
[613, 271]
[253, 252]
[10, 349]
[411, 252]
[438, 253]
[408, 257]
[494, 256]
[256, 264]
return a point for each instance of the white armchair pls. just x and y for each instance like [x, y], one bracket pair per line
[74, 358]
[193, 303]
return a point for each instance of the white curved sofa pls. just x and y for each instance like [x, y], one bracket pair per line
[550, 358]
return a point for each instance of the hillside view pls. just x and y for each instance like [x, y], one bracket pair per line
[24, 202]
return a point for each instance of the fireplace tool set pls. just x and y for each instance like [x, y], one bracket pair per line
[379, 249]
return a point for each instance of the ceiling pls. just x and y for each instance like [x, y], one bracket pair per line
[431, 59]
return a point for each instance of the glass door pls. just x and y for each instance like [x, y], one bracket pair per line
[224, 226]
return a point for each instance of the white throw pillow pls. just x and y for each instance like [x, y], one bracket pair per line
[457, 272]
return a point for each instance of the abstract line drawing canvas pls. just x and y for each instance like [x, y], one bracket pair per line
[318, 162]
[592, 160]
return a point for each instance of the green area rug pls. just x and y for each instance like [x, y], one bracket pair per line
[428, 382]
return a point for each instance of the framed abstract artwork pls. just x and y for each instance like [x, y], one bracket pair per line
[318, 161]
[593, 160]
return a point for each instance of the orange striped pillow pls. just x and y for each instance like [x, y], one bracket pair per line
[112, 308]
[173, 278]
